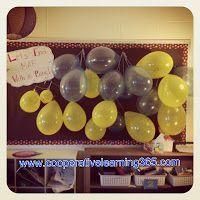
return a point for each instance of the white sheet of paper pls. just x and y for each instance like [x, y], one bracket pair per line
[28, 66]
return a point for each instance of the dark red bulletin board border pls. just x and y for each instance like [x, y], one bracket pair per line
[21, 128]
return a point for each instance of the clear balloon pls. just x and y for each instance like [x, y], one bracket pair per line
[119, 124]
[104, 114]
[186, 73]
[50, 119]
[102, 59]
[138, 81]
[63, 64]
[73, 85]
[171, 120]
[46, 96]
[149, 103]
[93, 132]
[92, 84]
[111, 85]
[172, 91]
[74, 117]
[158, 64]
[30, 101]
[139, 127]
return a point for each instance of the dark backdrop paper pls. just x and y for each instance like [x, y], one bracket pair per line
[21, 126]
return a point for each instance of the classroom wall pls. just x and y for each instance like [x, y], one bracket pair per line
[116, 24]
[113, 23]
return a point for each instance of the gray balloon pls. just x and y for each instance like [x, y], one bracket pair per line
[111, 85]
[186, 73]
[149, 104]
[102, 59]
[119, 124]
[138, 81]
[73, 85]
[64, 64]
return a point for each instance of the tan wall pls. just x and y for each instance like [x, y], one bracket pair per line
[113, 23]
[116, 24]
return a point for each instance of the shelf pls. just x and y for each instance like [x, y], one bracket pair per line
[131, 152]
[45, 153]
[93, 185]
[97, 188]
[132, 186]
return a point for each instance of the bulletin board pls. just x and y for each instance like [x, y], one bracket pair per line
[21, 126]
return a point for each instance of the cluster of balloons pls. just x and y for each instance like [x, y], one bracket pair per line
[171, 94]
[75, 83]
[138, 80]
[49, 118]
[30, 101]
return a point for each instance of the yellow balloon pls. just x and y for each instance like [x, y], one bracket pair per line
[30, 101]
[92, 84]
[46, 96]
[171, 120]
[104, 114]
[93, 132]
[50, 119]
[139, 127]
[172, 91]
[74, 117]
[158, 64]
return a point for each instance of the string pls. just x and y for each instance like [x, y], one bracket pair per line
[83, 53]
[79, 53]
[82, 56]
[121, 58]
[55, 84]
[127, 60]
[121, 107]
[42, 88]
[123, 66]
[157, 81]
[45, 88]
[49, 87]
